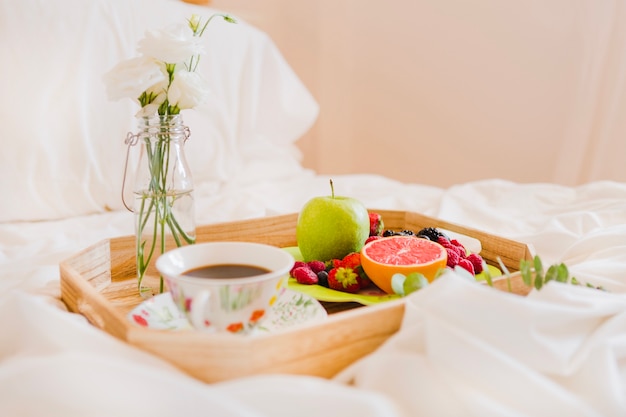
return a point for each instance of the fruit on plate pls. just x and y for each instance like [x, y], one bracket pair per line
[382, 258]
[345, 274]
[376, 224]
[330, 227]
[458, 255]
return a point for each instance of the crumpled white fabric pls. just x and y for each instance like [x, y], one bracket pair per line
[56, 364]
[470, 350]
[63, 150]
[464, 349]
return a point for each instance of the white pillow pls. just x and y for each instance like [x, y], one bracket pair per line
[63, 140]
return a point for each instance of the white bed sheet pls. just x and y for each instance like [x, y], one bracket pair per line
[463, 349]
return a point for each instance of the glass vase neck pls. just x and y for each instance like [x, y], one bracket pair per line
[157, 125]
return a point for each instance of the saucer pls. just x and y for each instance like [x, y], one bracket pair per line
[292, 308]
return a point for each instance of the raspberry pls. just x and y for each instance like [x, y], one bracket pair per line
[304, 275]
[297, 264]
[446, 244]
[316, 266]
[477, 262]
[369, 239]
[453, 257]
[465, 264]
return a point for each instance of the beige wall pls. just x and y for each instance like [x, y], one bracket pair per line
[443, 92]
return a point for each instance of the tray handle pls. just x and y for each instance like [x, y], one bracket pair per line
[88, 311]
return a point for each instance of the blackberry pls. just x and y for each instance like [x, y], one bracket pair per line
[407, 232]
[430, 233]
[389, 232]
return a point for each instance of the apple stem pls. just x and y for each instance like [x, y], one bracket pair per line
[332, 189]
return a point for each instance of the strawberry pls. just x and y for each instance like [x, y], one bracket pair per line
[376, 224]
[305, 275]
[344, 279]
[351, 260]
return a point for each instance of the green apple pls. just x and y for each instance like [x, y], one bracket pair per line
[330, 227]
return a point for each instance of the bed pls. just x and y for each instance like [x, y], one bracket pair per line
[462, 350]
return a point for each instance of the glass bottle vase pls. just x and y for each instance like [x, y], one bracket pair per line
[163, 202]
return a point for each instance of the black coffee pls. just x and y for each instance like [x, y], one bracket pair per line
[226, 271]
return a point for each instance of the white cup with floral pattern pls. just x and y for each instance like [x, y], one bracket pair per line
[225, 287]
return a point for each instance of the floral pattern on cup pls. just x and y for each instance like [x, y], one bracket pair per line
[233, 298]
[291, 309]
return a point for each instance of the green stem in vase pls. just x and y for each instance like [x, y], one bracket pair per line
[161, 202]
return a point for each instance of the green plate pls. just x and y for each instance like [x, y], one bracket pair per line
[368, 296]
[495, 272]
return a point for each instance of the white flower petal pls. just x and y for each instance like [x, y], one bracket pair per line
[130, 78]
[175, 44]
[188, 89]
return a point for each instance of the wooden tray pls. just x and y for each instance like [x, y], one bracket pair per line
[100, 283]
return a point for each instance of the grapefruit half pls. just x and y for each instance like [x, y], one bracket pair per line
[382, 258]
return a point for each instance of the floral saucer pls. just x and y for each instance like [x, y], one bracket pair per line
[291, 309]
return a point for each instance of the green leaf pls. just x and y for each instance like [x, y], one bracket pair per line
[407, 284]
[414, 282]
[397, 283]
[487, 275]
[538, 282]
[562, 273]
[538, 269]
[526, 271]
[552, 273]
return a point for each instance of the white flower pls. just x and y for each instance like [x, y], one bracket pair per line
[154, 97]
[187, 90]
[132, 77]
[173, 45]
[163, 79]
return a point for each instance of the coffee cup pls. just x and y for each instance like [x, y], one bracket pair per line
[225, 286]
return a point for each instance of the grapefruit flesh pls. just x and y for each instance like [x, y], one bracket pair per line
[382, 258]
